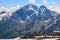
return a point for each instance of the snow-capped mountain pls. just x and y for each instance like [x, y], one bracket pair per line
[27, 20]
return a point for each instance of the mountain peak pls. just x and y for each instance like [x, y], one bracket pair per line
[30, 5]
[43, 6]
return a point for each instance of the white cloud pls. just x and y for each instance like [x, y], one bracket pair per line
[44, 1]
[56, 8]
[32, 1]
[12, 9]
[3, 9]
[54, 3]
[8, 12]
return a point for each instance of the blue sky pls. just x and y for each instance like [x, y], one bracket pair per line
[12, 3]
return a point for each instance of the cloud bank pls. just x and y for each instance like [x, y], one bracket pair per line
[56, 8]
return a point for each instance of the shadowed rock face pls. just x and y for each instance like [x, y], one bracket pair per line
[28, 20]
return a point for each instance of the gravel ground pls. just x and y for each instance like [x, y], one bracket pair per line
[32, 39]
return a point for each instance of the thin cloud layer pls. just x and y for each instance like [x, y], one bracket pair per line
[44, 1]
[32, 1]
[54, 3]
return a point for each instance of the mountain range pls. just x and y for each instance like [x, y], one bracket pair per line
[28, 19]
